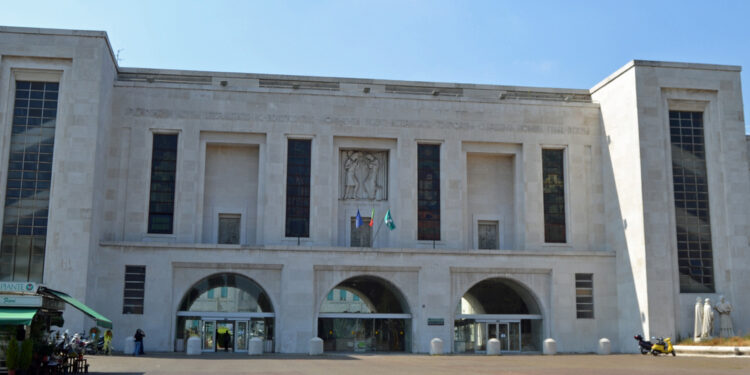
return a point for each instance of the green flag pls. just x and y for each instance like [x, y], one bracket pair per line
[389, 220]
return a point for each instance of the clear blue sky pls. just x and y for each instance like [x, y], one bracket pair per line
[570, 44]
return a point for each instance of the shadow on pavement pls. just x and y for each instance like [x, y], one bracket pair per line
[245, 356]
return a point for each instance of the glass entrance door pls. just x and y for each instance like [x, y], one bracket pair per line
[514, 336]
[208, 331]
[508, 333]
[502, 335]
[240, 342]
[224, 336]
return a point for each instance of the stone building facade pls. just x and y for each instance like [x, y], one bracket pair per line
[227, 205]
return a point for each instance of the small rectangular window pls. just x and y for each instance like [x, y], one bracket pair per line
[298, 188]
[163, 173]
[362, 236]
[488, 235]
[342, 295]
[553, 180]
[428, 192]
[229, 228]
[585, 296]
[330, 296]
[224, 292]
[135, 286]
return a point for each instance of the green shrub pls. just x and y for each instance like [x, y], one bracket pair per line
[27, 350]
[11, 354]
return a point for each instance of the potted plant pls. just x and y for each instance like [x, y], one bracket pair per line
[12, 356]
[24, 360]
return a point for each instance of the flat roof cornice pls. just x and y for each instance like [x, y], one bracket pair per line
[364, 81]
[663, 64]
[63, 32]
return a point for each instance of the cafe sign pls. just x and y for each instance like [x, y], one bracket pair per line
[10, 300]
[18, 287]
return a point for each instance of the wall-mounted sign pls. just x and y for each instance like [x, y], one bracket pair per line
[13, 300]
[435, 321]
[18, 287]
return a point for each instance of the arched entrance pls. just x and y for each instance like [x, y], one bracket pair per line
[498, 308]
[364, 314]
[226, 310]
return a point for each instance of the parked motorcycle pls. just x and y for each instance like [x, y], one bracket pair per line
[93, 346]
[663, 346]
[644, 345]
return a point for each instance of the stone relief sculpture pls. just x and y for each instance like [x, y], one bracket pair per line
[708, 320]
[724, 309]
[698, 326]
[363, 174]
[351, 182]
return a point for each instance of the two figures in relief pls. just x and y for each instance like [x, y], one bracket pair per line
[361, 170]
[705, 317]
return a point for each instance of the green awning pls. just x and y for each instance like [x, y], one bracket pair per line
[16, 315]
[100, 320]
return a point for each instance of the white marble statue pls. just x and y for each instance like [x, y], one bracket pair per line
[698, 326]
[708, 320]
[724, 309]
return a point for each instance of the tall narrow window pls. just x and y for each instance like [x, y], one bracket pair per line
[298, 188]
[135, 286]
[584, 296]
[428, 193]
[554, 195]
[692, 218]
[32, 140]
[163, 171]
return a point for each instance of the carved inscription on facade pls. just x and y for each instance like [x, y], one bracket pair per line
[363, 175]
[525, 128]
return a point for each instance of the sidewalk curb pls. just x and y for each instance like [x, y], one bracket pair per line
[716, 350]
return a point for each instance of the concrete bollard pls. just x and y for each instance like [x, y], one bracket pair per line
[255, 347]
[550, 347]
[194, 346]
[436, 346]
[316, 346]
[129, 346]
[605, 347]
[493, 347]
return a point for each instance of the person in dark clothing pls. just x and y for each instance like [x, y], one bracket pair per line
[139, 335]
[227, 341]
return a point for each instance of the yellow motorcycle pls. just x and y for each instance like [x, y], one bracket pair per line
[663, 346]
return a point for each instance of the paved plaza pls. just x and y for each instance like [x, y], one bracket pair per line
[220, 363]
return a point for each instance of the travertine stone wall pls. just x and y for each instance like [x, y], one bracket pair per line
[233, 130]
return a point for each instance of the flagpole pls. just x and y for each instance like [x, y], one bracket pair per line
[376, 234]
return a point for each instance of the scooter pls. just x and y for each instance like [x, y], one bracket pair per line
[663, 346]
[644, 345]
